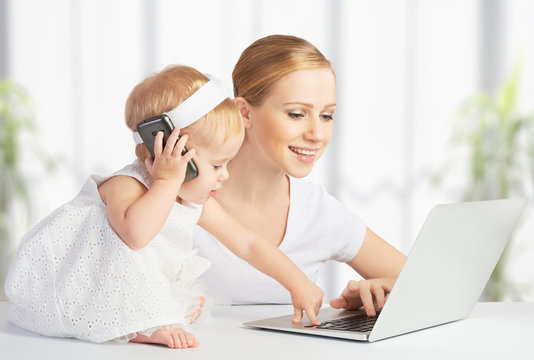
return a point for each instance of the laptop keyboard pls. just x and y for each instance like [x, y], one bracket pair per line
[357, 323]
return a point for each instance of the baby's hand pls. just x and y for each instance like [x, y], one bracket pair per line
[169, 163]
[308, 297]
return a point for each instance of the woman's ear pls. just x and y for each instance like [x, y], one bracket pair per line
[244, 109]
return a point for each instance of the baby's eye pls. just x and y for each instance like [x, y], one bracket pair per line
[295, 115]
[219, 166]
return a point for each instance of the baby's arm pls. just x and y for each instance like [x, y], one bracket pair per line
[136, 213]
[265, 257]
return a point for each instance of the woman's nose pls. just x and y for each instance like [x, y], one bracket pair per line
[316, 130]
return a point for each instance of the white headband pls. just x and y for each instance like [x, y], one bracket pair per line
[195, 106]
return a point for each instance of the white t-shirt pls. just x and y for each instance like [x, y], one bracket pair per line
[319, 228]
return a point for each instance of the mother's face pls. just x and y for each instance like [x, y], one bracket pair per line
[293, 125]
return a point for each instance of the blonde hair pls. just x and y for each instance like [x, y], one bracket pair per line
[167, 89]
[270, 59]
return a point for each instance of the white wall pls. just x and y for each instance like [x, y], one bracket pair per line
[403, 68]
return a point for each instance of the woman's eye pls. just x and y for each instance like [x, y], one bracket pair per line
[327, 116]
[295, 115]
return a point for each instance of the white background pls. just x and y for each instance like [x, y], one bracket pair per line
[403, 69]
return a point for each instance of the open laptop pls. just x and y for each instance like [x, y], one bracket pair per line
[441, 281]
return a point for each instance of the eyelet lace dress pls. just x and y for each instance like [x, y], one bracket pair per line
[74, 277]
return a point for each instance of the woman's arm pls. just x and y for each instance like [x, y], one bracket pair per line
[380, 264]
[265, 257]
[377, 258]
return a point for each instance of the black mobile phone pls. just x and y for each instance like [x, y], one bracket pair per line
[149, 128]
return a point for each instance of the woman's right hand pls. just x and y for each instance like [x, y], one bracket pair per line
[307, 297]
[364, 293]
[169, 164]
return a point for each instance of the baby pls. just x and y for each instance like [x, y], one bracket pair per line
[117, 261]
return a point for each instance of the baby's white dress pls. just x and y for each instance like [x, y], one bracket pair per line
[74, 277]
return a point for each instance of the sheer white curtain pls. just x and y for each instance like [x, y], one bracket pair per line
[403, 68]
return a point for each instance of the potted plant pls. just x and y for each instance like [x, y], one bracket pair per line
[499, 143]
[17, 121]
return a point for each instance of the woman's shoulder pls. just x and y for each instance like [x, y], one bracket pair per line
[312, 197]
[316, 215]
[307, 191]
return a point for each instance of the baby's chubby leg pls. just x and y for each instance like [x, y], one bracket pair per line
[173, 336]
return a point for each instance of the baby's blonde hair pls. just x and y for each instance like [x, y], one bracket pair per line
[167, 89]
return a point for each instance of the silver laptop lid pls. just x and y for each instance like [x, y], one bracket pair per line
[448, 265]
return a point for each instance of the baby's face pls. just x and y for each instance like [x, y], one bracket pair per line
[211, 161]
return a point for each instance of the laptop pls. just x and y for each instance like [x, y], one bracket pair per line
[442, 278]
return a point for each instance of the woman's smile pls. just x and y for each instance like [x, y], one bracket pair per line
[304, 154]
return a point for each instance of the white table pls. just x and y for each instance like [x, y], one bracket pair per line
[493, 331]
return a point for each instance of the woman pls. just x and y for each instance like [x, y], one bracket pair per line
[286, 92]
